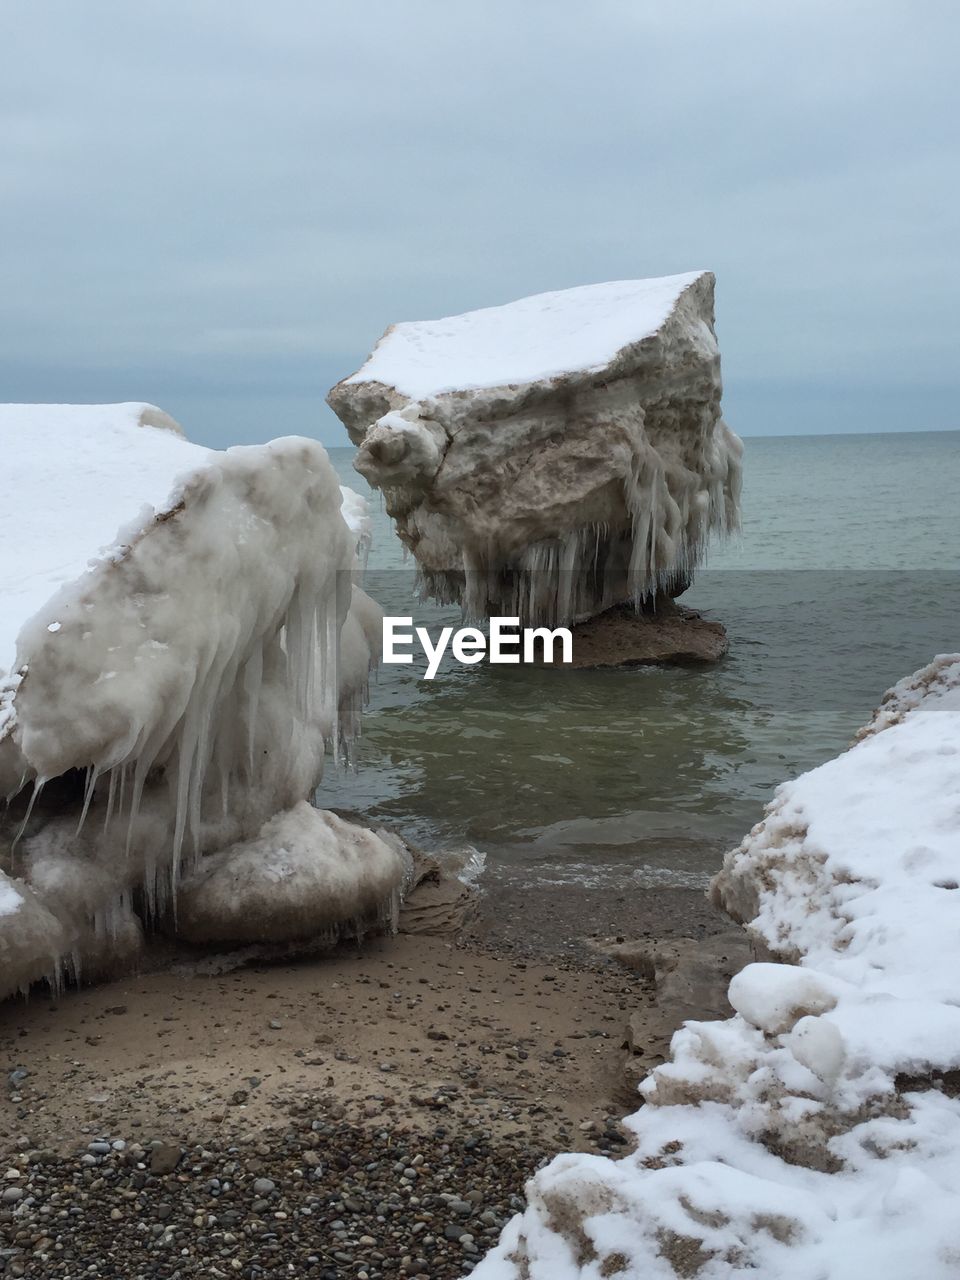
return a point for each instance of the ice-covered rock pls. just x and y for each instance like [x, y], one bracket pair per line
[306, 874]
[181, 641]
[554, 456]
[816, 1134]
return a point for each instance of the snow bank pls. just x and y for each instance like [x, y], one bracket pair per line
[554, 456]
[178, 660]
[816, 1134]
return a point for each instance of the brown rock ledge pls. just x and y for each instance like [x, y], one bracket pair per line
[622, 636]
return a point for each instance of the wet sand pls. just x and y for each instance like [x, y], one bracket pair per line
[403, 1028]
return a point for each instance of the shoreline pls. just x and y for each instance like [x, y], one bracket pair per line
[485, 1054]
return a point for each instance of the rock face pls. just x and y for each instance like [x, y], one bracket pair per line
[552, 457]
[182, 640]
[625, 636]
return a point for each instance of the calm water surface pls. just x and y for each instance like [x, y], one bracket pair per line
[846, 577]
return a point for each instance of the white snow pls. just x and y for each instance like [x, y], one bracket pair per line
[812, 1135]
[536, 337]
[66, 514]
[774, 997]
[10, 897]
[866, 851]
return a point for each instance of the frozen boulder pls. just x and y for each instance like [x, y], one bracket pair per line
[307, 875]
[182, 640]
[551, 457]
[32, 939]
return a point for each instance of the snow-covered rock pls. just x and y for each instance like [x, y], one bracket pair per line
[815, 1135]
[181, 641]
[554, 456]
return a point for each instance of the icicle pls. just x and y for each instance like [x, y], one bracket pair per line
[87, 795]
[111, 797]
[34, 796]
[252, 683]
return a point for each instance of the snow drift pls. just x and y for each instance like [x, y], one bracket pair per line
[816, 1134]
[182, 640]
[554, 456]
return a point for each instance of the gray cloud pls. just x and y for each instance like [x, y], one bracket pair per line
[220, 206]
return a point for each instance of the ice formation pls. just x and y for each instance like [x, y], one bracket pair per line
[552, 457]
[307, 872]
[815, 1135]
[182, 640]
[354, 510]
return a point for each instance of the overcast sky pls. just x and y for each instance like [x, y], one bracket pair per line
[218, 205]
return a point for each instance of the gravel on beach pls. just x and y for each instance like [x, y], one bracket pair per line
[321, 1197]
[372, 1113]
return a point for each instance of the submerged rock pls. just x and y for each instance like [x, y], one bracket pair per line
[625, 636]
[555, 456]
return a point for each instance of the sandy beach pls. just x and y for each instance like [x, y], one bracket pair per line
[395, 1096]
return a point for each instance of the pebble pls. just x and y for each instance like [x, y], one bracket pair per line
[164, 1158]
[312, 1197]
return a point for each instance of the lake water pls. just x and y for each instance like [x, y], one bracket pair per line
[846, 577]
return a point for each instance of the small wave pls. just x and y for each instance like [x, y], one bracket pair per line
[465, 862]
[582, 875]
[669, 878]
